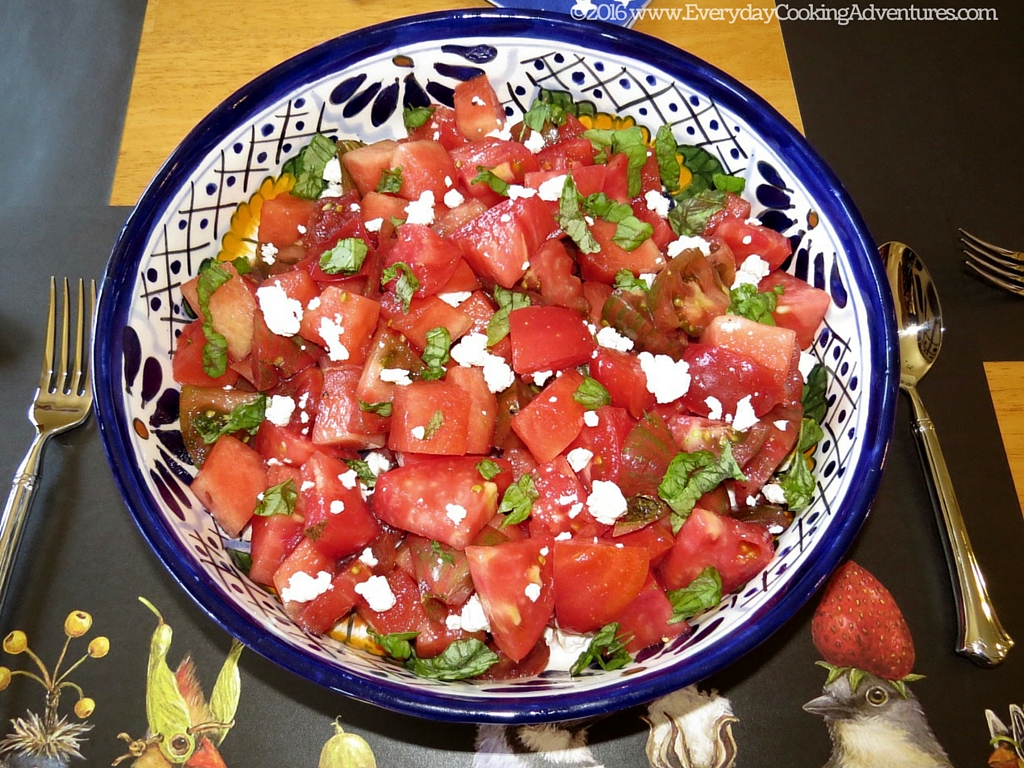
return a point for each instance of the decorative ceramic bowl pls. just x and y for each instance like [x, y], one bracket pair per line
[356, 86]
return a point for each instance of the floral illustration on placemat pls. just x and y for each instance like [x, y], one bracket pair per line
[185, 728]
[687, 729]
[1007, 741]
[873, 717]
[50, 740]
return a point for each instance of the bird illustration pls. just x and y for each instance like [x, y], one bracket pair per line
[875, 723]
[185, 729]
[1007, 743]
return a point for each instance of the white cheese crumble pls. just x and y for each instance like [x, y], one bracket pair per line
[374, 225]
[453, 198]
[806, 364]
[609, 338]
[366, 557]
[307, 485]
[551, 190]
[745, 417]
[269, 253]
[330, 331]
[282, 313]
[591, 419]
[564, 536]
[279, 410]
[332, 171]
[337, 506]
[539, 377]
[657, 202]
[377, 593]
[678, 246]
[578, 458]
[575, 509]
[349, 479]
[501, 133]
[377, 462]
[476, 101]
[564, 647]
[532, 592]
[517, 191]
[773, 493]
[751, 271]
[606, 502]
[455, 512]
[398, 376]
[313, 303]
[421, 211]
[782, 425]
[667, 379]
[454, 298]
[714, 408]
[419, 432]
[472, 616]
[534, 142]
[471, 351]
[302, 587]
[648, 277]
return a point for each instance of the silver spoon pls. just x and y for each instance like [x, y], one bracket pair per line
[919, 320]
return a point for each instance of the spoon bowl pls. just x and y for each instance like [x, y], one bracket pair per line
[919, 323]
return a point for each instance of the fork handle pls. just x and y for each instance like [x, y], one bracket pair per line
[12, 523]
[982, 638]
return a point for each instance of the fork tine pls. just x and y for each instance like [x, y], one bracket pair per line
[61, 382]
[46, 377]
[77, 369]
[982, 245]
[1012, 284]
[994, 260]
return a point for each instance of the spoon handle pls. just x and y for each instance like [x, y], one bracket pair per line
[981, 637]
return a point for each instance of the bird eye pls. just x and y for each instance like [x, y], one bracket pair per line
[876, 696]
[180, 744]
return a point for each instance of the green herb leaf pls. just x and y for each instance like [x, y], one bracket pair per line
[591, 394]
[727, 183]
[703, 165]
[490, 178]
[363, 471]
[517, 503]
[627, 281]
[690, 215]
[630, 232]
[607, 649]
[462, 659]
[414, 117]
[815, 390]
[746, 302]
[215, 350]
[382, 408]
[390, 180]
[442, 554]
[572, 221]
[242, 265]
[704, 592]
[278, 500]
[797, 483]
[488, 469]
[247, 416]
[628, 141]
[435, 423]
[397, 645]
[435, 354]
[666, 152]
[315, 531]
[406, 285]
[810, 435]
[690, 476]
[346, 258]
[242, 560]
[308, 167]
[497, 326]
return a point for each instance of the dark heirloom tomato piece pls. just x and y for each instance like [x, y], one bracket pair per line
[548, 339]
[211, 402]
[629, 314]
[687, 294]
[646, 454]
[559, 506]
[782, 429]
[442, 571]
[514, 581]
[595, 581]
[738, 550]
[533, 663]
[388, 351]
[551, 273]
[605, 441]
[276, 358]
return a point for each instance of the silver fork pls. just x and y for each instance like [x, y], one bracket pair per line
[62, 401]
[1000, 266]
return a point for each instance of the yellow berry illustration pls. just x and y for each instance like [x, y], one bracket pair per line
[84, 707]
[99, 647]
[5, 678]
[16, 642]
[77, 623]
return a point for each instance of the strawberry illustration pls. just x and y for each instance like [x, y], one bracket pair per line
[858, 624]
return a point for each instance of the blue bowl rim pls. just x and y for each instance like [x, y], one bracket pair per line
[330, 57]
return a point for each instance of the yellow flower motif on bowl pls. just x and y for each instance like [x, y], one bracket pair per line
[606, 121]
[241, 239]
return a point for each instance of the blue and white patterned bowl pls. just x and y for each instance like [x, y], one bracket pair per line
[355, 86]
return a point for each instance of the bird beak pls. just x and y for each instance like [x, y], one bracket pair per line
[828, 707]
[205, 756]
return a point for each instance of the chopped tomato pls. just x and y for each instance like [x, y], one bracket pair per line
[553, 418]
[594, 582]
[478, 109]
[230, 482]
[548, 339]
[648, 619]
[430, 417]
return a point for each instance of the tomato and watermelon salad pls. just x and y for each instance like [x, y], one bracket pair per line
[493, 390]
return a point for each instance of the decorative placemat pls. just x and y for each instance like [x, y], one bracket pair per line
[195, 53]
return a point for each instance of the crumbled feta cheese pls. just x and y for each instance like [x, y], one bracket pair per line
[754, 221]
[472, 615]
[564, 647]
[747, 239]
[301, 229]
[374, 225]
[781, 425]
[377, 593]
[332, 171]
[505, 218]
[302, 587]
[532, 592]
[773, 493]
[269, 253]
[471, 351]
[307, 485]
[421, 211]
[366, 557]
[454, 298]
[678, 246]
[606, 502]
[667, 379]
[282, 313]
[398, 376]
[377, 462]
[337, 506]
[476, 101]
[551, 190]
[806, 364]
[517, 191]
[657, 202]
[714, 407]
[745, 417]
[349, 479]
[578, 458]
[453, 198]
[751, 271]
[751, 501]
[609, 338]
[567, 498]
[330, 331]
[564, 536]
[591, 419]
[501, 133]
[648, 278]
[534, 142]
[575, 509]
[539, 377]
[455, 512]
[498, 374]
[419, 432]
[279, 410]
